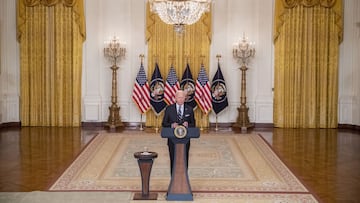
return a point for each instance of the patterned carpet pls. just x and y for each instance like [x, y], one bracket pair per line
[220, 166]
[126, 197]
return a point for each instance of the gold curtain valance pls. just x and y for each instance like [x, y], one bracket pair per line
[281, 7]
[49, 2]
[77, 5]
[309, 3]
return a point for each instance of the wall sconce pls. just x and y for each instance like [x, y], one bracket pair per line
[242, 52]
[114, 51]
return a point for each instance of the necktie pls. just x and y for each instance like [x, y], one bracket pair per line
[179, 114]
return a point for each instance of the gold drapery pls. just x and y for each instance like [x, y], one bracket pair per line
[307, 35]
[50, 34]
[166, 47]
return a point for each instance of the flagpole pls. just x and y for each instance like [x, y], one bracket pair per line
[156, 125]
[216, 123]
[201, 121]
[141, 125]
[141, 98]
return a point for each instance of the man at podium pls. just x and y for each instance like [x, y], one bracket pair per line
[178, 114]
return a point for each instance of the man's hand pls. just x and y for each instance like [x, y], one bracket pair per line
[174, 125]
[185, 124]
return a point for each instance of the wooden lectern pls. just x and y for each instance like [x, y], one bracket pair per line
[145, 161]
[179, 188]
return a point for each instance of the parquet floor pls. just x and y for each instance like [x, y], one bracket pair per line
[326, 160]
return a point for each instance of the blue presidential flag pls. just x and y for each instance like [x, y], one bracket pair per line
[218, 92]
[188, 85]
[157, 91]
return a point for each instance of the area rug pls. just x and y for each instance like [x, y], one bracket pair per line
[226, 163]
[126, 197]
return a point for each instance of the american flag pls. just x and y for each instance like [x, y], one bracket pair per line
[202, 92]
[172, 85]
[141, 91]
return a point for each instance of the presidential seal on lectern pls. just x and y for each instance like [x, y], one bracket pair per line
[180, 131]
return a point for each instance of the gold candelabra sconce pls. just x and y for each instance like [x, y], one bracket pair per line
[242, 52]
[114, 51]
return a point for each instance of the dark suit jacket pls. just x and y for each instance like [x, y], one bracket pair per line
[170, 116]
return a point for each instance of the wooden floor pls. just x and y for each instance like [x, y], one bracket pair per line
[326, 160]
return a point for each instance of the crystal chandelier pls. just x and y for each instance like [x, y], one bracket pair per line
[179, 12]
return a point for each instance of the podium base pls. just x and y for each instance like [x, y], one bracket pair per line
[150, 196]
[179, 197]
